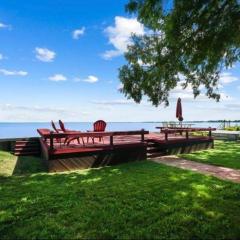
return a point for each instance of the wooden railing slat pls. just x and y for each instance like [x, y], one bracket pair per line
[47, 133]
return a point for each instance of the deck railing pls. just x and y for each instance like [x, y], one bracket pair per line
[224, 124]
[47, 134]
[168, 131]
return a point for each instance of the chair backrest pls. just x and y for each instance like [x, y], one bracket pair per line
[61, 124]
[54, 127]
[99, 126]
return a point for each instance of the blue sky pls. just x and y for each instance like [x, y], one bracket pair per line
[60, 59]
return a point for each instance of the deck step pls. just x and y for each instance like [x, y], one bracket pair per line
[155, 155]
[27, 147]
[26, 150]
[27, 140]
[27, 144]
[154, 150]
[26, 153]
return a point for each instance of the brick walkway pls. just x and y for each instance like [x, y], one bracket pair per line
[219, 172]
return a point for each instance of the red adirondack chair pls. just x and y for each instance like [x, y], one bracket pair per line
[57, 130]
[69, 139]
[98, 126]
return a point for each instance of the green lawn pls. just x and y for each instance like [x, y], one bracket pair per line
[225, 153]
[135, 200]
[12, 165]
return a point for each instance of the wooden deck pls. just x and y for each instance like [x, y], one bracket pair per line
[125, 148]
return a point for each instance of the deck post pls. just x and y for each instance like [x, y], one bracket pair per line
[51, 140]
[111, 140]
[166, 136]
[187, 134]
[210, 133]
[142, 135]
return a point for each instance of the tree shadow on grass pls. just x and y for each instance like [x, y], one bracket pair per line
[134, 200]
[28, 165]
[225, 153]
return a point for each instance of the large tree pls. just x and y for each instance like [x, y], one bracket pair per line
[186, 41]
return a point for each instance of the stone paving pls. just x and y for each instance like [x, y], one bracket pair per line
[216, 171]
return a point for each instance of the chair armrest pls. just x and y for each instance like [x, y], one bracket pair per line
[60, 130]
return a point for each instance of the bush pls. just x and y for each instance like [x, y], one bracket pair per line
[234, 128]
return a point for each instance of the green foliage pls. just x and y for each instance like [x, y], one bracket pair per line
[234, 128]
[7, 163]
[141, 200]
[195, 39]
[225, 153]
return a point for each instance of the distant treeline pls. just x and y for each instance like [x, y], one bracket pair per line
[220, 121]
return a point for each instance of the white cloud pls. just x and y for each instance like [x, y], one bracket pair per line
[36, 113]
[10, 107]
[227, 77]
[13, 73]
[189, 97]
[3, 25]
[44, 54]
[178, 91]
[187, 94]
[91, 79]
[111, 54]
[57, 78]
[114, 102]
[120, 86]
[179, 88]
[119, 35]
[78, 32]
[233, 106]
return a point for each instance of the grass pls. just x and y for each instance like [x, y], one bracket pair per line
[13, 165]
[233, 128]
[225, 153]
[135, 200]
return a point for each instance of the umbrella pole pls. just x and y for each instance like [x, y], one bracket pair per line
[180, 123]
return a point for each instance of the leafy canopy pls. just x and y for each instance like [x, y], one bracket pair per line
[188, 43]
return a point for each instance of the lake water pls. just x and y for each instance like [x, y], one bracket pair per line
[14, 130]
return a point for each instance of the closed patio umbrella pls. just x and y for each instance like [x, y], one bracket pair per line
[179, 110]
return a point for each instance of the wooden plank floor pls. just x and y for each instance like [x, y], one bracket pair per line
[120, 141]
